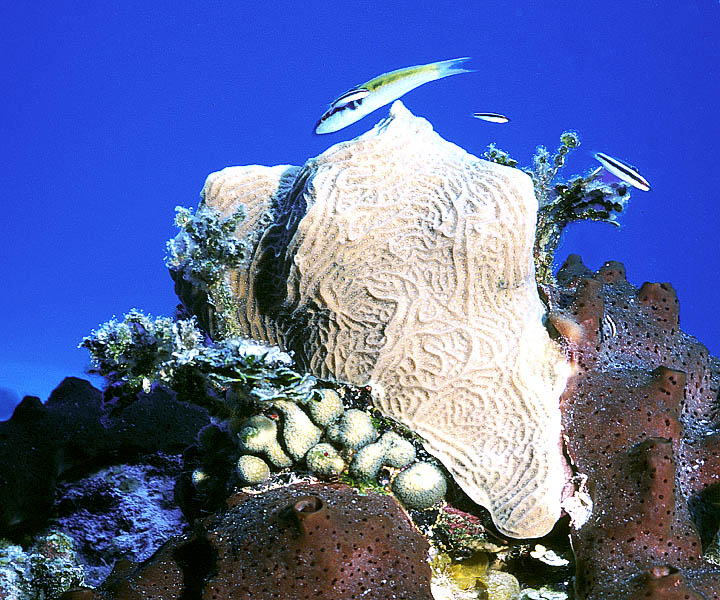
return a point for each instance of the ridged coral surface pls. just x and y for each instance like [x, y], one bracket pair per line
[640, 414]
[399, 260]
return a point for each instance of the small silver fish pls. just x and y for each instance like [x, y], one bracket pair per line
[625, 172]
[363, 99]
[491, 117]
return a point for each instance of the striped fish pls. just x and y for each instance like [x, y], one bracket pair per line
[491, 117]
[351, 96]
[363, 99]
[624, 171]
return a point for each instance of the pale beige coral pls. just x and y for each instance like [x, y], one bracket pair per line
[399, 260]
[261, 191]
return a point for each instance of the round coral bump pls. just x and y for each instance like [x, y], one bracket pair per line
[259, 435]
[400, 452]
[252, 469]
[368, 460]
[325, 407]
[354, 429]
[299, 432]
[420, 486]
[323, 459]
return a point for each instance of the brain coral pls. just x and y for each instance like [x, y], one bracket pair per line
[303, 541]
[641, 418]
[401, 261]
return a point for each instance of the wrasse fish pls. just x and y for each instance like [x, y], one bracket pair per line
[351, 96]
[623, 171]
[491, 117]
[361, 100]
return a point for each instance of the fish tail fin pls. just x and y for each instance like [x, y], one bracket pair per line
[452, 67]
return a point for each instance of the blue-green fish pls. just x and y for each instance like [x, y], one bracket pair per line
[361, 100]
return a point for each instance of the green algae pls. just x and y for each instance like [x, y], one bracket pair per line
[204, 251]
[560, 202]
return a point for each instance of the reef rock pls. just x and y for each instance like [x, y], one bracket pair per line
[121, 512]
[44, 571]
[75, 432]
[401, 261]
[291, 543]
[641, 419]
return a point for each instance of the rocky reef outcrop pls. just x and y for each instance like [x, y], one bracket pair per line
[119, 512]
[415, 276]
[75, 432]
[640, 415]
[320, 541]
[400, 261]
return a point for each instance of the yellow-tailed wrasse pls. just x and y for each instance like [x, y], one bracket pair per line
[361, 100]
[491, 117]
[625, 172]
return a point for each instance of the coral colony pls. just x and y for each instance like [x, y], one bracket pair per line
[376, 388]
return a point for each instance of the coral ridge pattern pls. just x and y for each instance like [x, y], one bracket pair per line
[401, 261]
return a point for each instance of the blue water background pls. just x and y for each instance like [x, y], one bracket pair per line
[113, 113]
